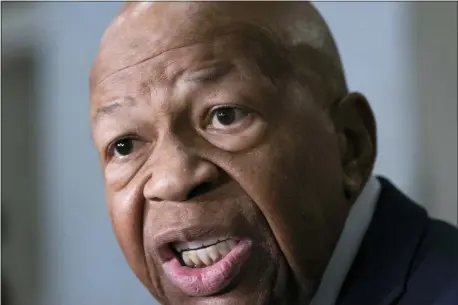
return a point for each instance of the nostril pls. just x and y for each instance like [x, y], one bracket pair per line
[200, 190]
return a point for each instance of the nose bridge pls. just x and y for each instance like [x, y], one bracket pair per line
[176, 171]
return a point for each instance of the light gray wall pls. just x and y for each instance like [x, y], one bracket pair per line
[20, 242]
[80, 259]
[434, 51]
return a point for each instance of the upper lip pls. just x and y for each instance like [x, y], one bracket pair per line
[163, 240]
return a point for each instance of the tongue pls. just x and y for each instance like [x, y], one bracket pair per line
[209, 255]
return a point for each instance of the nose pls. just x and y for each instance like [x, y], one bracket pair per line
[178, 175]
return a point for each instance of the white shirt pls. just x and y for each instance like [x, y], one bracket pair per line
[355, 227]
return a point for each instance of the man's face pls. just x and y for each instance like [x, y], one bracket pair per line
[222, 184]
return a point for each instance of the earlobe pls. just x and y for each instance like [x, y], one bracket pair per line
[355, 125]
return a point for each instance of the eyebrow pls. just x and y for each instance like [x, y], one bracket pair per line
[113, 107]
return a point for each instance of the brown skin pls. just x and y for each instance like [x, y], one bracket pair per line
[283, 173]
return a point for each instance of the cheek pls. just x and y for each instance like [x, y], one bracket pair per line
[126, 213]
[119, 175]
[291, 166]
[295, 180]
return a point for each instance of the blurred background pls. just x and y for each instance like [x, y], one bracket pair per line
[57, 244]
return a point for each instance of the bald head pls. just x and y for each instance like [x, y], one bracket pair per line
[291, 37]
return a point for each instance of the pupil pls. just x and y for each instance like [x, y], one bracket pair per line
[226, 116]
[124, 147]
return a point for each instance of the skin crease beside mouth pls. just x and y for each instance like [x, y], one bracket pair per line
[282, 177]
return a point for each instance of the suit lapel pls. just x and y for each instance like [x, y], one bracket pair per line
[381, 267]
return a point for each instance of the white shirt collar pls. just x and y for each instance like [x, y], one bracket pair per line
[347, 247]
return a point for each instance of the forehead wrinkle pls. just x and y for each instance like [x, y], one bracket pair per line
[153, 56]
[112, 107]
[125, 45]
[241, 35]
[193, 29]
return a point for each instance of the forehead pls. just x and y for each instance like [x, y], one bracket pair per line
[142, 31]
[240, 45]
[163, 70]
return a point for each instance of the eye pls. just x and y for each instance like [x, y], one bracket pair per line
[224, 117]
[123, 147]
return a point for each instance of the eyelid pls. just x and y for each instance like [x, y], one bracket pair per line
[233, 106]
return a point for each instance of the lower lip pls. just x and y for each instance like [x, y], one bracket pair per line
[208, 280]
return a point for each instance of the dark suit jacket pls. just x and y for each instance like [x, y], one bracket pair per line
[406, 258]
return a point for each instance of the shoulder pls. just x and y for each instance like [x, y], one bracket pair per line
[405, 258]
[433, 276]
[440, 243]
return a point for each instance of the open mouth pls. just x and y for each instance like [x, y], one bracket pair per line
[203, 253]
[204, 267]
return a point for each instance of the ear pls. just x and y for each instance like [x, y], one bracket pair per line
[356, 129]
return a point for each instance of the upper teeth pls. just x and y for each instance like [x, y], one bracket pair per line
[193, 245]
[204, 252]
